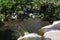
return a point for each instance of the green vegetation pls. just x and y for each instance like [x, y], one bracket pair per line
[11, 6]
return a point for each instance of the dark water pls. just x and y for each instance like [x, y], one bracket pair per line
[17, 28]
[27, 25]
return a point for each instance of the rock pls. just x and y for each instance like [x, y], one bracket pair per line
[31, 36]
[54, 26]
[52, 35]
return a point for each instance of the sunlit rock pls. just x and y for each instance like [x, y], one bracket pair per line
[25, 33]
[52, 35]
[55, 23]
[31, 36]
[54, 26]
[33, 16]
[14, 17]
[2, 20]
[30, 14]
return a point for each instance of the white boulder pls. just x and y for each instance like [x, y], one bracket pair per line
[52, 35]
[31, 36]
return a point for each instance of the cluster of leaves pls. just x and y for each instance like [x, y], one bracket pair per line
[57, 12]
[50, 12]
[11, 6]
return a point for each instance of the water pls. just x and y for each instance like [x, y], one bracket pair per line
[27, 25]
[18, 28]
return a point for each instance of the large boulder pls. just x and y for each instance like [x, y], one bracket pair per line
[52, 35]
[54, 26]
